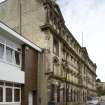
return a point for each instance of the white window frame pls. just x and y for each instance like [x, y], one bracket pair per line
[4, 59]
[4, 94]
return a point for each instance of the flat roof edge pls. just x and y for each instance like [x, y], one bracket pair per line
[18, 36]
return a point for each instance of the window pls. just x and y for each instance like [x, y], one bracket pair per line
[16, 95]
[52, 92]
[1, 94]
[67, 94]
[58, 93]
[56, 47]
[64, 53]
[63, 93]
[9, 54]
[71, 95]
[1, 50]
[12, 93]
[17, 58]
[8, 94]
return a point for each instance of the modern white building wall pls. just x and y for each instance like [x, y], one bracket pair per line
[12, 75]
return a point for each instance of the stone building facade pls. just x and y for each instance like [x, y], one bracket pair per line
[100, 85]
[67, 75]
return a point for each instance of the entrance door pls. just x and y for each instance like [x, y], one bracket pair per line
[30, 98]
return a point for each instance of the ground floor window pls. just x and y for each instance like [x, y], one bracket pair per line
[10, 93]
[1, 94]
[16, 95]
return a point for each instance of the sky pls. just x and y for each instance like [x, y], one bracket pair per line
[87, 17]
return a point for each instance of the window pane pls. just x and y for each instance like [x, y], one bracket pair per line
[9, 54]
[1, 94]
[16, 95]
[17, 58]
[8, 95]
[1, 50]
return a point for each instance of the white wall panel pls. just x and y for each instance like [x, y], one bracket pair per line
[9, 72]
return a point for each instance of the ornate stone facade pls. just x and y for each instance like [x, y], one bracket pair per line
[72, 73]
[68, 75]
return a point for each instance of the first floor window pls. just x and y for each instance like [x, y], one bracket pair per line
[1, 50]
[8, 94]
[17, 58]
[9, 54]
[16, 95]
[1, 94]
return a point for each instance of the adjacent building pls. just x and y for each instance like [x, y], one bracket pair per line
[100, 85]
[41, 63]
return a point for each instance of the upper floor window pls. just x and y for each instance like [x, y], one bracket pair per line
[9, 53]
[64, 53]
[17, 57]
[52, 98]
[1, 50]
[56, 46]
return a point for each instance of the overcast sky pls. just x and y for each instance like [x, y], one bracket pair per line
[88, 16]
